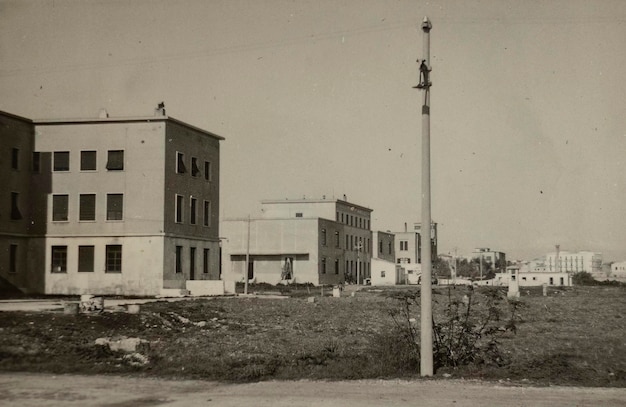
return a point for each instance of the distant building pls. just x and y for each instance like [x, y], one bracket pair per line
[385, 271]
[531, 278]
[408, 245]
[491, 258]
[316, 241]
[105, 205]
[590, 262]
[618, 271]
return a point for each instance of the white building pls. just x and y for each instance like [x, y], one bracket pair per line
[590, 262]
[316, 241]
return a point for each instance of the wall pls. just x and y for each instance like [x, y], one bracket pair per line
[142, 269]
[270, 241]
[385, 272]
[20, 228]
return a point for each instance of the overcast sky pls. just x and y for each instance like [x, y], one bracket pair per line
[314, 98]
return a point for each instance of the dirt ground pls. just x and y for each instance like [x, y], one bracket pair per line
[44, 390]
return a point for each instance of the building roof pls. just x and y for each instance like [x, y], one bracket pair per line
[136, 119]
[331, 201]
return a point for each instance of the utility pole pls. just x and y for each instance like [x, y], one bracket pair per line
[426, 327]
[247, 268]
[358, 247]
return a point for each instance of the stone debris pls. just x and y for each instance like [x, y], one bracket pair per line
[121, 343]
[136, 359]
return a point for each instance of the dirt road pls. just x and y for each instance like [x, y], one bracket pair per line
[44, 390]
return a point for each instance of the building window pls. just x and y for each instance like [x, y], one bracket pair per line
[389, 247]
[87, 160]
[13, 258]
[380, 246]
[115, 160]
[36, 161]
[87, 207]
[180, 163]
[206, 258]
[59, 259]
[207, 171]
[60, 208]
[192, 262]
[179, 208]
[85, 259]
[404, 245]
[336, 266]
[113, 261]
[342, 218]
[382, 274]
[337, 216]
[195, 171]
[115, 206]
[15, 158]
[207, 214]
[15, 208]
[337, 239]
[179, 259]
[298, 214]
[324, 265]
[193, 210]
[323, 237]
[61, 161]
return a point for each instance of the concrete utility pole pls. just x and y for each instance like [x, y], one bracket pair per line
[358, 247]
[426, 339]
[247, 267]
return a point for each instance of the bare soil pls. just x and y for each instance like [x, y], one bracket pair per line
[572, 336]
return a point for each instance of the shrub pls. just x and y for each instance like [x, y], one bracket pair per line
[468, 332]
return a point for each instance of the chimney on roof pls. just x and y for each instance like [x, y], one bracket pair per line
[160, 109]
[103, 114]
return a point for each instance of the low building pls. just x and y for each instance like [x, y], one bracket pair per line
[532, 278]
[316, 241]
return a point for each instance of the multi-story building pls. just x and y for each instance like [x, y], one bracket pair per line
[120, 206]
[408, 244]
[590, 262]
[316, 241]
[21, 207]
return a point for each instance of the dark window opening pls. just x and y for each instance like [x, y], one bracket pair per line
[179, 259]
[179, 209]
[113, 259]
[87, 160]
[207, 213]
[206, 257]
[59, 259]
[15, 158]
[115, 206]
[15, 209]
[193, 210]
[85, 259]
[195, 171]
[87, 207]
[61, 161]
[59, 208]
[13, 258]
[180, 163]
[115, 160]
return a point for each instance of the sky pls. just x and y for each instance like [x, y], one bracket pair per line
[315, 98]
